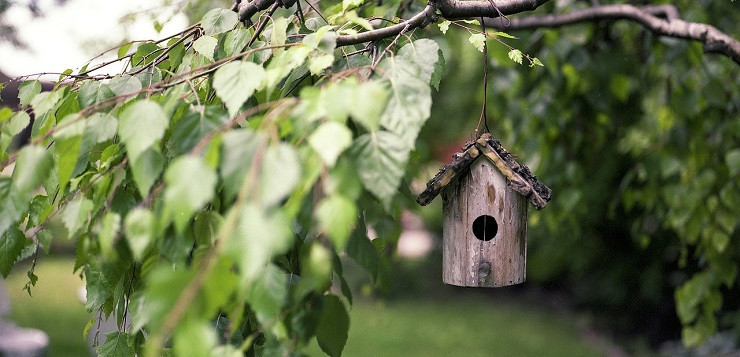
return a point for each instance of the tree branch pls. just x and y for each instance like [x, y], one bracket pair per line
[450, 9]
[714, 40]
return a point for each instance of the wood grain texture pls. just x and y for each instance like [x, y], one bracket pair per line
[469, 261]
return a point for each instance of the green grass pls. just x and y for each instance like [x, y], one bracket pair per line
[466, 325]
[54, 306]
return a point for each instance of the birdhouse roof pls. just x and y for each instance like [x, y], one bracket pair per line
[519, 178]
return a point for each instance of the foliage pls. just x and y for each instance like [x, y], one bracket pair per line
[211, 187]
[637, 137]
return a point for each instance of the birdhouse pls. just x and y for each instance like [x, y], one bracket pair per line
[484, 199]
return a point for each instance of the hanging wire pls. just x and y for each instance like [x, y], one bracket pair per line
[483, 117]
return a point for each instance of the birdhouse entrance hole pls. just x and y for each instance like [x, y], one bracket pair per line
[485, 227]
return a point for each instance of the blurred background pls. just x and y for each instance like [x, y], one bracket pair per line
[635, 135]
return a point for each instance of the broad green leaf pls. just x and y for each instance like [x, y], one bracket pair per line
[239, 149]
[410, 103]
[146, 169]
[139, 229]
[333, 326]
[439, 71]
[190, 185]
[516, 56]
[75, 215]
[218, 21]
[109, 227]
[381, 159]
[423, 52]
[732, 159]
[279, 173]
[536, 62]
[322, 39]
[97, 287]
[283, 63]
[236, 40]
[124, 84]
[347, 4]
[93, 92]
[31, 168]
[194, 338]
[261, 234]
[44, 102]
[235, 82]
[478, 40]
[140, 126]
[206, 46]
[268, 292]
[337, 216]
[316, 64]
[16, 124]
[27, 90]
[193, 126]
[279, 29]
[368, 104]
[12, 204]
[123, 50]
[164, 285]
[503, 34]
[5, 114]
[12, 243]
[330, 140]
[444, 26]
[362, 251]
[117, 344]
[101, 126]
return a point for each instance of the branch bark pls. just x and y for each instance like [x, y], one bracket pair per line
[662, 20]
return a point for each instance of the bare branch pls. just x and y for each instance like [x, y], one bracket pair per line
[714, 40]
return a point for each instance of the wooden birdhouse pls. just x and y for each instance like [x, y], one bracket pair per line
[484, 198]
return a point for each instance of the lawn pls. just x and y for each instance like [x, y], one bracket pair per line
[469, 325]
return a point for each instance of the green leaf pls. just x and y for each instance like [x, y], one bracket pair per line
[101, 127]
[330, 140]
[206, 46]
[503, 34]
[15, 125]
[44, 102]
[109, 227]
[67, 149]
[439, 70]
[261, 234]
[279, 173]
[190, 185]
[239, 149]
[31, 169]
[732, 158]
[516, 56]
[124, 84]
[362, 251]
[194, 338]
[13, 205]
[381, 162]
[218, 21]
[12, 243]
[444, 26]
[347, 4]
[478, 40]
[333, 326]
[337, 216]
[316, 64]
[410, 104]
[27, 90]
[235, 82]
[139, 229]
[123, 50]
[93, 92]
[97, 287]
[117, 344]
[147, 168]
[268, 292]
[236, 40]
[368, 104]
[279, 29]
[75, 215]
[140, 126]
[5, 114]
[536, 62]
